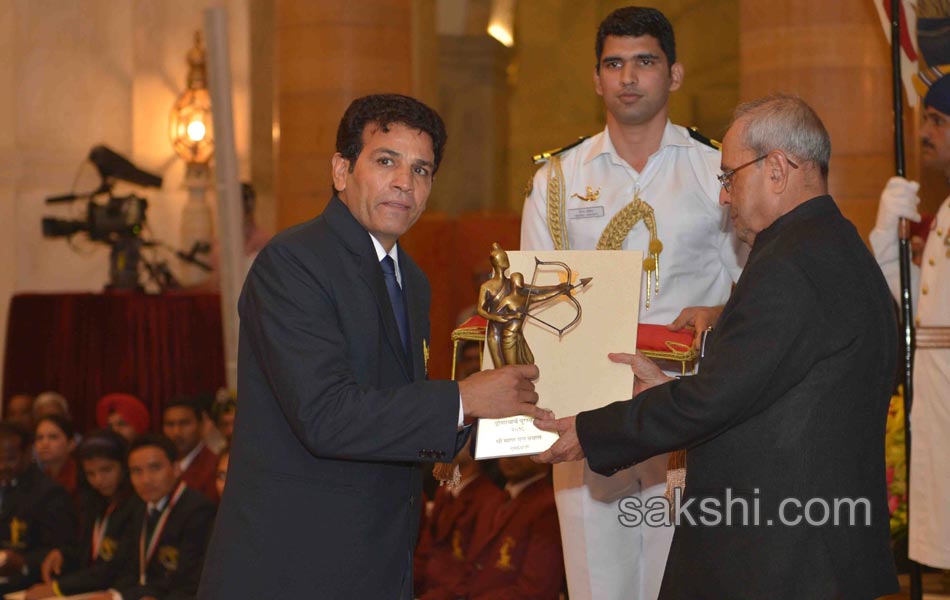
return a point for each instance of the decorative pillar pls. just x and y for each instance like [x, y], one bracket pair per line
[329, 53]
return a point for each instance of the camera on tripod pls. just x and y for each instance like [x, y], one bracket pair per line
[119, 221]
[119, 216]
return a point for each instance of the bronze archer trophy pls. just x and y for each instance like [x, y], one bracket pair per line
[504, 301]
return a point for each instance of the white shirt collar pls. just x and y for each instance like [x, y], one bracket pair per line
[160, 505]
[671, 137]
[515, 489]
[393, 253]
[184, 463]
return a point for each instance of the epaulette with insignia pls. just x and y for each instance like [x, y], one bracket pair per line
[545, 156]
[694, 133]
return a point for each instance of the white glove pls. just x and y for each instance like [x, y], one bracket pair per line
[898, 200]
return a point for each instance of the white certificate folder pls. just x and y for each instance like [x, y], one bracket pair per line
[576, 374]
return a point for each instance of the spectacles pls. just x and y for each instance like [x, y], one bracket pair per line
[725, 178]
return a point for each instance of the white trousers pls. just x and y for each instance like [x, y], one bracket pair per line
[930, 467]
[604, 559]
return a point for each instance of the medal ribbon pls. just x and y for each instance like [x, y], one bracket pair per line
[99, 531]
[146, 555]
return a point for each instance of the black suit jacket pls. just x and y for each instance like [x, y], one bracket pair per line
[36, 516]
[83, 573]
[175, 568]
[790, 403]
[324, 485]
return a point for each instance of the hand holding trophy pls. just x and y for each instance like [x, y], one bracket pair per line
[504, 302]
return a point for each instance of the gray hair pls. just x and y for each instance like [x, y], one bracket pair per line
[51, 399]
[787, 123]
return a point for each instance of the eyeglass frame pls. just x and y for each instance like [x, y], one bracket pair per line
[725, 178]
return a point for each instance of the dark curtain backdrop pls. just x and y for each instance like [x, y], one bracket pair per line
[87, 345]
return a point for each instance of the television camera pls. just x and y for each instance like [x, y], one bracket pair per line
[120, 222]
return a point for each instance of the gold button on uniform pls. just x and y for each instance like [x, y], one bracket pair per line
[924, 291]
[930, 262]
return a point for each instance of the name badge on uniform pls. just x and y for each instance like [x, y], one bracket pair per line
[587, 212]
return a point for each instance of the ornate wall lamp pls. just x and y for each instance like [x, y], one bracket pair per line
[192, 136]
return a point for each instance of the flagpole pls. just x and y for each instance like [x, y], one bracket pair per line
[907, 313]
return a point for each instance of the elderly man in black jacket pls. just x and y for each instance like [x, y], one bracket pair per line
[784, 425]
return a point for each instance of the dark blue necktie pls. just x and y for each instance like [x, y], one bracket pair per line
[397, 300]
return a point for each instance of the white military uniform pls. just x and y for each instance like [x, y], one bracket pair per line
[929, 534]
[699, 262]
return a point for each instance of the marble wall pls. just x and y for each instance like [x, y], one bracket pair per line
[77, 74]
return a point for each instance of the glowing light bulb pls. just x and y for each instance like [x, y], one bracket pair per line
[196, 131]
[502, 33]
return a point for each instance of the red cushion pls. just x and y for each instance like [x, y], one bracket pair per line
[649, 337]
[654, 337]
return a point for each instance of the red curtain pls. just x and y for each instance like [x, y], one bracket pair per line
[87, 345]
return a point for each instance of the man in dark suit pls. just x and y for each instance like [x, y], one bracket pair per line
[788, 410]
[162, 551]
[36, 514]
[335, 412]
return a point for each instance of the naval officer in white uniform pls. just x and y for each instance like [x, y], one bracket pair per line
[641, 184]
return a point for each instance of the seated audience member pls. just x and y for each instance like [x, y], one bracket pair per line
[180, 424]
[105, 519]
[469, 359]
[50, 403]
[124, 414]
[19, 411]
[214, 440]
[221, 475]
[53, 444]
[517, 554]
[37, 515]
[173, 526]
[223, 411]
[440, 558]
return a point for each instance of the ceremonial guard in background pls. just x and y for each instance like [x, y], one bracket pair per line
[929, 527]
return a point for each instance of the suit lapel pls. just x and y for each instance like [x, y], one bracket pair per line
[9, 500]
[357, 241]
[418, 318]
[372, 275]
